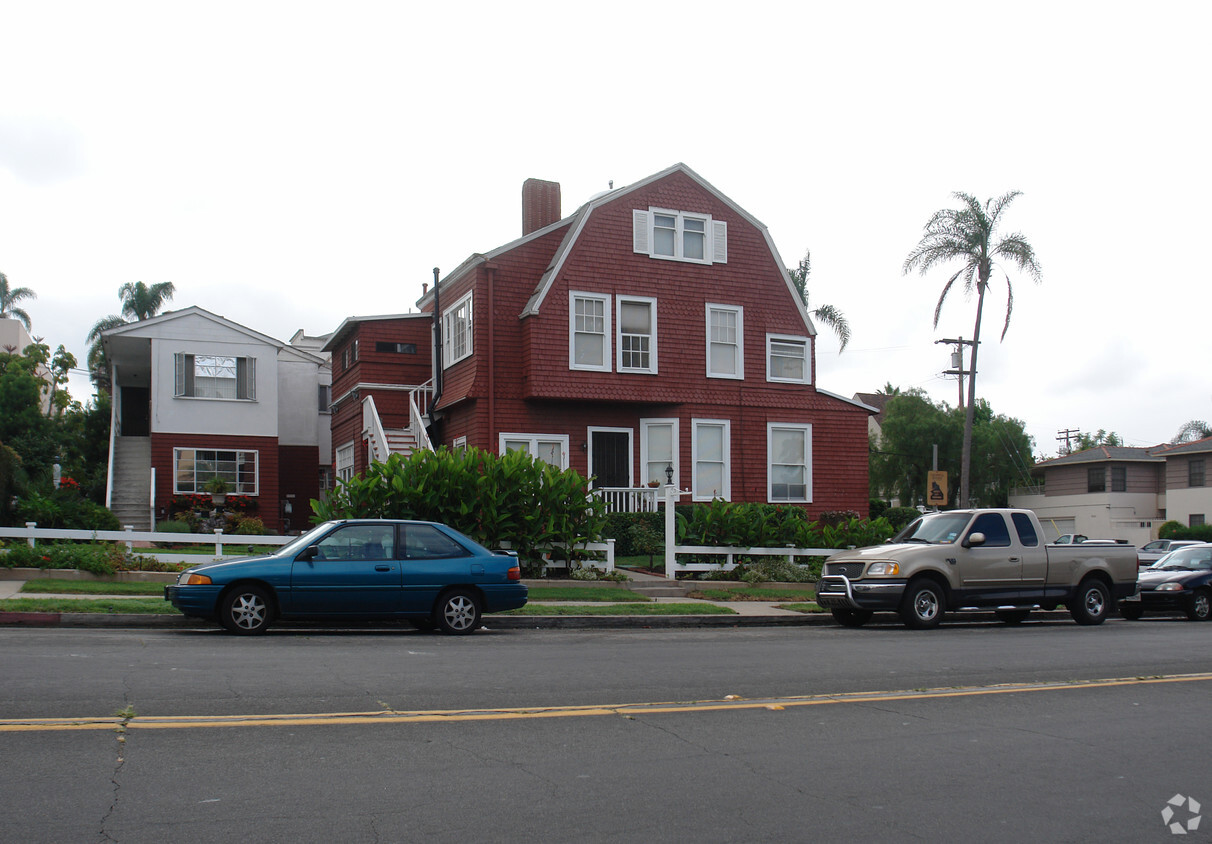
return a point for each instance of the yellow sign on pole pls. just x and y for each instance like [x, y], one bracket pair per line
[936, 489]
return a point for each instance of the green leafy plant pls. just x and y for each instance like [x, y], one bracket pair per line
[510, 499]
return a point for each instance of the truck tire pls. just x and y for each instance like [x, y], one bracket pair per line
[851, 618]
[1090, 602]
[922, 606]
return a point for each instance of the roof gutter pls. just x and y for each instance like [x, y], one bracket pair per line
[437, 350]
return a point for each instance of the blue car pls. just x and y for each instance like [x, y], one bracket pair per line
[423, 572]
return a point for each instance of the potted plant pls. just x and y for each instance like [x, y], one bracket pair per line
[217, 487]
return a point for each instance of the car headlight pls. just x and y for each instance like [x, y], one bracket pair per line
[1170, 587]
[190, 578]
[883, 569]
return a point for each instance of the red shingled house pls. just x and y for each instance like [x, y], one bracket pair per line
[654, 330]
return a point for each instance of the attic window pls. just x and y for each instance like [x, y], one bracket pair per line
[679, 236]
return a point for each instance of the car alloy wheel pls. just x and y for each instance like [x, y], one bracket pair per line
[246, 611]
[458, 612]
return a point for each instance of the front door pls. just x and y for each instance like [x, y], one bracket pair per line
[136, 412]
[610, 458]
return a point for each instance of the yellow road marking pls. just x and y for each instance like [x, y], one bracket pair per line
[183, 722]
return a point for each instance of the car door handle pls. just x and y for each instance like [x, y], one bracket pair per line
[382, 568]
[1015, 560]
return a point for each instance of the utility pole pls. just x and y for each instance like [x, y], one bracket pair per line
[1067, 435]
[957, 363]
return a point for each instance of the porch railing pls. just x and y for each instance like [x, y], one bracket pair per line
[629, 499]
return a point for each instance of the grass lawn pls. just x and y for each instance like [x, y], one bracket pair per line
[808, 607]
[141, 606]
[664, 608]
[751, 593]
[88, 587]
[603, 594]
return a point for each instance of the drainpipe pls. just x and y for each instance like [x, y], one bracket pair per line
[437, 346]
[492, 357]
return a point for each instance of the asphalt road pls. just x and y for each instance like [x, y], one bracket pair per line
[970, 732]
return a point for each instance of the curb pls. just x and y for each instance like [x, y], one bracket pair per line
[490, 622]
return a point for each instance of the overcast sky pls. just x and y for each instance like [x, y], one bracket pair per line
[287, 165]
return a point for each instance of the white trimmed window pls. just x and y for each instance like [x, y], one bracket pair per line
[787, 359]
[588, 331]
[789, 463]
[710, 447]
[637, 334]
[725, 341]
[214, 377]
[344, 459]
[456, 332]
[658, 449]
[193, 468]
[679, 236]
[550, 448]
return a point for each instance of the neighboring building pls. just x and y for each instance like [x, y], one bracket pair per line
[197, 396]
[1119, 492]
[655, 330]
[877, 401]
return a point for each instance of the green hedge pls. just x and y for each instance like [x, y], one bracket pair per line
[99, 558]
[495, 499]
[772, 526]
[1177, 530]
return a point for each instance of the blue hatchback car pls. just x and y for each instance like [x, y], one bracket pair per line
[423, 572]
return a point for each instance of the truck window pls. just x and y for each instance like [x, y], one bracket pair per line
[1026, 530]
[993, 526]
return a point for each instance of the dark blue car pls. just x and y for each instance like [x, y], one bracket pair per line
[1180, 581]
[423, 572]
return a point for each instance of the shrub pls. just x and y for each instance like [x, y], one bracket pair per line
[898, 517]
[1171, 530]
[173, 526]
[99, 558]
[618, 526]
[494, 499]
[1177, 530]
[250, 526]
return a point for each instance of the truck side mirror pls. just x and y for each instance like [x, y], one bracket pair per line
[974, 540]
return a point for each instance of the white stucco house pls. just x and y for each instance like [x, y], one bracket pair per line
[196, 397]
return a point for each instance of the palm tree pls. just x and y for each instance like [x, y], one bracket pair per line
[139, 302]
[9, 297]
[969, 234]
[1190, 432]
[827, 315]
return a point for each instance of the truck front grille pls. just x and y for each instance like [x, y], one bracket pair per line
[850, 570]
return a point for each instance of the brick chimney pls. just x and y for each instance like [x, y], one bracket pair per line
[540, 204]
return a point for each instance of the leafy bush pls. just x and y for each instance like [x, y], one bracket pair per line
[773, 526]
[65, 509]
[99, 558]
[1177, 530]
[495, 499]
[618, 526]
[250, 526]
[898, 517]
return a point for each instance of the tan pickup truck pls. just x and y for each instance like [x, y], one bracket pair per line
[975, 559]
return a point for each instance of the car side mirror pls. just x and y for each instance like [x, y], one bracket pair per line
[974, 540]
[308, 553]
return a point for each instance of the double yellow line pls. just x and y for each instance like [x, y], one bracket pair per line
[630, 710]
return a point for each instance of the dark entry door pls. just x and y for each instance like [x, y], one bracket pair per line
[611, 459]
[136, 412]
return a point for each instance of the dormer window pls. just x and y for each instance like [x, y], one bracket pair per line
[680, 236]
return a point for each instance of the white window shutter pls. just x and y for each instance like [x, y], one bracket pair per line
[719, 242]
[639, 232]
[178, 374]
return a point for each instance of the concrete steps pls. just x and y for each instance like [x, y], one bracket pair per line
[131, 493]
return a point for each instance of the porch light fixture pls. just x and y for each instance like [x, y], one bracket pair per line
[669, 474]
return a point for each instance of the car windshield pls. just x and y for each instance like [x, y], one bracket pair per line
[934, 528]
[1186, 559]
[298, 544]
